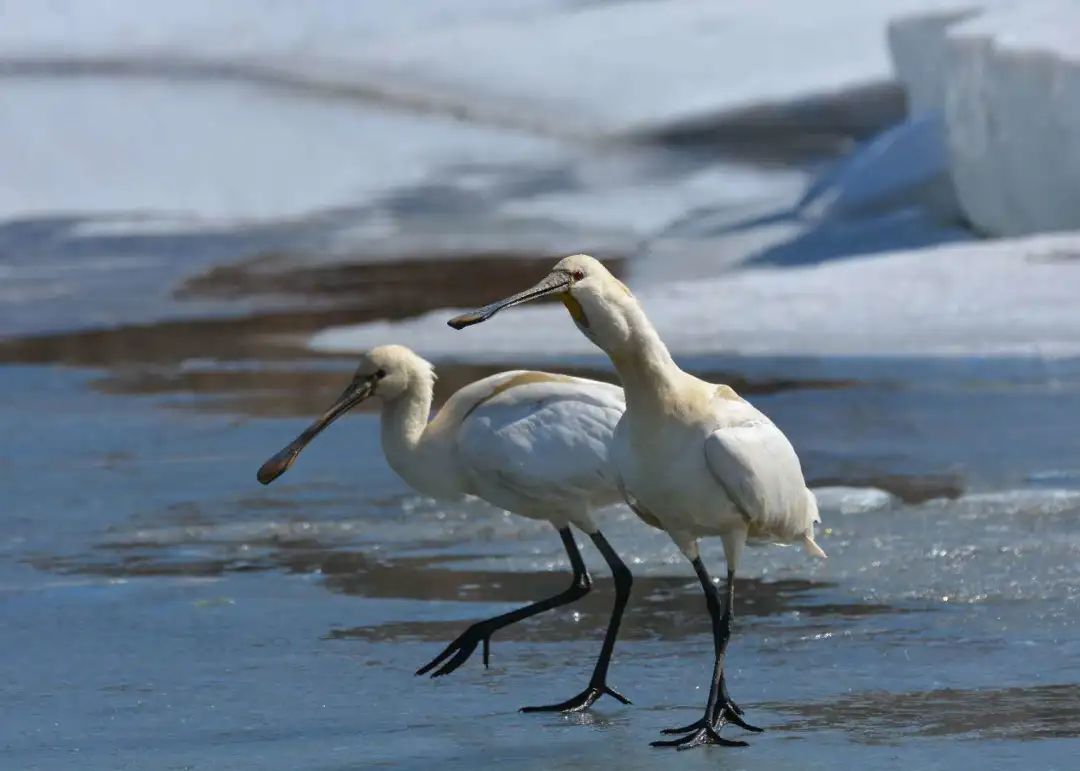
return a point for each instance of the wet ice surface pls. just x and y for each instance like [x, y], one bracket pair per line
[161, 610]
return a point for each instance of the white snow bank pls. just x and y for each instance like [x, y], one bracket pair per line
[204, 29]
[1008, 297]
[223, 151]
[1007, 81]
[906, 162]
[168, 145]
[554, 65]
[192, 154]
[620, 67]
[917, 45]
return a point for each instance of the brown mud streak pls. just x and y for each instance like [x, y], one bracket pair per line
[301, 392]
[669, 605]
[304, 298]
[148, 359]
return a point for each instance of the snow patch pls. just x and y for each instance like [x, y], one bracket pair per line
[1007, 81]
[260, 109]
[220, 150]
[558, 66]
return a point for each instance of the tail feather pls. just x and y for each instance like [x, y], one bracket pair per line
[811, 547]
[808, 537]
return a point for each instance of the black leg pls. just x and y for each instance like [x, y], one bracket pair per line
[459, 650]
[598, 682]
[719, 709]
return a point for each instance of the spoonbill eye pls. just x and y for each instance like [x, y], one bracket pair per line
[380, 374]
[578, 275]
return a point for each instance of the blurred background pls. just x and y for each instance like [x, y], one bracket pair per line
[864, 216]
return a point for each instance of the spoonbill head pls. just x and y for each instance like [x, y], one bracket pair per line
[389, 371]
[693, 458]
[596, 300]
[533, 443]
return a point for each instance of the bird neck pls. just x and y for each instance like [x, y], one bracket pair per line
[648, 373]
[404, 422]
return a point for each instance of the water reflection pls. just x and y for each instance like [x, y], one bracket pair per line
[662, 607]
[1035, 712]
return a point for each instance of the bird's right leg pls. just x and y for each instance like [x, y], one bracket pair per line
[458, 652]
[719, 709]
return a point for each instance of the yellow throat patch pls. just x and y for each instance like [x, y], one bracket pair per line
[577, 313]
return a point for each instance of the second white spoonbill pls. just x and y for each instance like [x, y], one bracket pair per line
[694, 458]
[532, 443]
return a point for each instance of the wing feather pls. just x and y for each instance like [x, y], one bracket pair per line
[546, 442]
[758, 468]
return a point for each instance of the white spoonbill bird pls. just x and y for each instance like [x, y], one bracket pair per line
[693, 458]
[532, 443]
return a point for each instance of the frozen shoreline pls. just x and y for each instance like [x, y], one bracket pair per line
[997, 298]
[263, 109]
[207, 154]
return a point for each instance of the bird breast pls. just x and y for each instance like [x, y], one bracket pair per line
[665, 471]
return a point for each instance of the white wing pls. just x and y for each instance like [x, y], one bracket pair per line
[543, 444]
[759, 470]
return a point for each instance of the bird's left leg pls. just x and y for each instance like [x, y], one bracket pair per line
[458, 652]
[598, 682]
[719, 709]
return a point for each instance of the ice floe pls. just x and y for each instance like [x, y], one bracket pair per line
[1007, 81]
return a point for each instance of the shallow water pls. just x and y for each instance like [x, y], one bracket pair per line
[162, 610]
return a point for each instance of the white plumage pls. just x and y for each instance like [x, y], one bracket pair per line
[713, 465]
[692, 457]
[533, 443]
[759, 470]
[537, 444]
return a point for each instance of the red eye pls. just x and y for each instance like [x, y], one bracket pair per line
[578, 275]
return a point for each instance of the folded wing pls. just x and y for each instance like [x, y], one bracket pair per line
[758, 468]
[546, 442]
